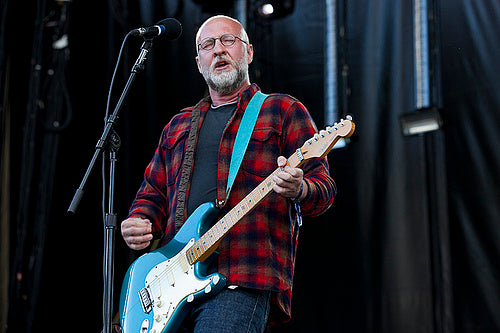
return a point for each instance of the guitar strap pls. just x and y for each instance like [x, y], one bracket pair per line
[187, 165]
[241, 143]
[243, 137]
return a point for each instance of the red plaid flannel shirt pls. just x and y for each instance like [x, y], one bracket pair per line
[259, 252]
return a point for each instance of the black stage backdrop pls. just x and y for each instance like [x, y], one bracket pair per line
[412, 243]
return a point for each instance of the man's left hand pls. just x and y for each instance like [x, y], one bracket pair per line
[289, 181]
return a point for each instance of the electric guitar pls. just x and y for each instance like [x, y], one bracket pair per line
[160, 286]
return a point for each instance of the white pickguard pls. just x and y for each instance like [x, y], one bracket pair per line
[169, 282]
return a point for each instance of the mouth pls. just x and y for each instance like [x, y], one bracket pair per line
[221, 65]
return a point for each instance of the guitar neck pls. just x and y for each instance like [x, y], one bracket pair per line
[209, 242]
[317, 146]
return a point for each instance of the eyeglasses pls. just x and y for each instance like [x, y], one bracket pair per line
[227, 40]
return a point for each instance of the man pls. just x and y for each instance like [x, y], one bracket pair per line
[191, 167]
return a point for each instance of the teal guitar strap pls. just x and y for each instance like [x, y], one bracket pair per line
[243, 137]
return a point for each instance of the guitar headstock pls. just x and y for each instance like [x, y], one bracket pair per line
[321, 143]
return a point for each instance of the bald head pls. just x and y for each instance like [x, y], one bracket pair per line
[221, 18]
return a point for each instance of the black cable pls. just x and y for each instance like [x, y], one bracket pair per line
[106, 116]
[114, 75]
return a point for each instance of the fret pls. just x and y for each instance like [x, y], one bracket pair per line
[256, 193]
[234, 218]
[262, 190]
[230, 220]
[197, 249]
[210, 240]
[269, 183]
[250, 199]
[203, 243]
[211, 233]
[248, 202]
[223, 225]
[193, 255]
[244, 207]
[217, 230]
[237, 211]
[189, 256]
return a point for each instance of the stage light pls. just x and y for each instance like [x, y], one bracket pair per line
[266, 9]
[420, 122]
[272, 9]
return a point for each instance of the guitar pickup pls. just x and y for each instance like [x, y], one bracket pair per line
[147, 304]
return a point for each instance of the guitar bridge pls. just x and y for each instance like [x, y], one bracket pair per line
[147, 304]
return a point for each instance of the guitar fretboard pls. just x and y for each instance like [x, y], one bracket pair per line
[207, 243]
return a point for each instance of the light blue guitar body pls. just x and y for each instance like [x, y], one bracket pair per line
[160, 286]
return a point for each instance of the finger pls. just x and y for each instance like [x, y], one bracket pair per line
[294, 172]
[282, 161]
[135, 221]
[282, 178]
[139, 239]
[283, 186]
[138, 242]
[140, 246]
[135, 231]
[289, 175]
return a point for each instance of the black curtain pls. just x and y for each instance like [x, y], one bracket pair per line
[377, 276]
[471, 101]
[412, 244]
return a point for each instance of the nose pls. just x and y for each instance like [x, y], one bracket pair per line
[219, 48]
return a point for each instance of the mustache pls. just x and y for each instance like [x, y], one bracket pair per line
[221, 58]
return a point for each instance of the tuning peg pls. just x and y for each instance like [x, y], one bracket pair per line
[329, 129]
[322, 133]
[316, 137]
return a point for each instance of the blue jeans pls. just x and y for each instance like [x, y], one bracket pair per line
[239, 310]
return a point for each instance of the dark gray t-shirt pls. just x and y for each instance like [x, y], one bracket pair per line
[204, 179]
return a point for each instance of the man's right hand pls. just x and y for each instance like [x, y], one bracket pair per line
[137, 233]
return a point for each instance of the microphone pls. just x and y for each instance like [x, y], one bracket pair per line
[168, 28]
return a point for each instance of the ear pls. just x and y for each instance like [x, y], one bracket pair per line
[198, 63]
[250, 53]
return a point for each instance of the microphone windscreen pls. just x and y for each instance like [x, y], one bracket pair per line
[173, 28]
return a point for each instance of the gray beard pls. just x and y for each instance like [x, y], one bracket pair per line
[227, 82]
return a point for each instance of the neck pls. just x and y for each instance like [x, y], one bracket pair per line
[218, 99]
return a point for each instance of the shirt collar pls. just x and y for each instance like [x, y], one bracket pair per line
[247, 95]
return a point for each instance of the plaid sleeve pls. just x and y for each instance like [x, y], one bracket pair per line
[298, 128]
[151, 201]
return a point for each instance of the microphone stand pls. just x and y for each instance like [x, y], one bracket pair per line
[110, 140]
